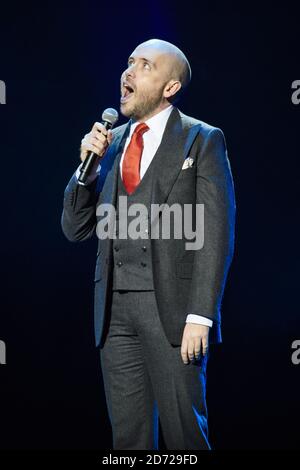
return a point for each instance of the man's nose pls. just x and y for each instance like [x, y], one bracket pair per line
[130, 71]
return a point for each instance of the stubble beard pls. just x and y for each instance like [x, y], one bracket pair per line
[144, 105]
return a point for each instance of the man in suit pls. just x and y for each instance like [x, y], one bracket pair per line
[157, 303]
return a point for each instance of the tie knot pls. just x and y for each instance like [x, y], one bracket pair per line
[141, 128]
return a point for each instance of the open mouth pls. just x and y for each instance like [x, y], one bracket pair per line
[127, 92]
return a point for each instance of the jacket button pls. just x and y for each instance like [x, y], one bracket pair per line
[144, 248]
[143, 264]
[119, 264]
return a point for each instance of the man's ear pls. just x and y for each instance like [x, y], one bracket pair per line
[172, 87]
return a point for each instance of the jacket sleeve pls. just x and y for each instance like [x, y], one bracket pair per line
[78, 218]
[215, 190]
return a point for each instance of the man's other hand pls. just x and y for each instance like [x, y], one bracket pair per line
[194, 341]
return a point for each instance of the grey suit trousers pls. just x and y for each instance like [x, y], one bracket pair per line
[145, 379]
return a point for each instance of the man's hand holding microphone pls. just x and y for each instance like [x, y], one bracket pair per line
[95, 143]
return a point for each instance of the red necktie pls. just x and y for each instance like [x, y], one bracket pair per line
[132, 158]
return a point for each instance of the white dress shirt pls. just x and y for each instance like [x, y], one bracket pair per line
[152, 139]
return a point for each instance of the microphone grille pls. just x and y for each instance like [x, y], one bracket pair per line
[110, 115]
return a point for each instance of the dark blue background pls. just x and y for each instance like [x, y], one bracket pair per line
[61, 66]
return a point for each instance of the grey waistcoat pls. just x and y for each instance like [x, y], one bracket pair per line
[132, 257]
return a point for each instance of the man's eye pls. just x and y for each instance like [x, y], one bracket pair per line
[146, 65]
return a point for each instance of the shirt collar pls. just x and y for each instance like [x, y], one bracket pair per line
[156, 123]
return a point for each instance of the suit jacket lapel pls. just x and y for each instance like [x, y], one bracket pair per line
[178, 137]
[110, 165]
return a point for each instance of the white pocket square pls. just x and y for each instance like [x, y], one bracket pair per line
[188, 162]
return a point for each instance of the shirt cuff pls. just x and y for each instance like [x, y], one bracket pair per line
[92, 176]
[191, 318]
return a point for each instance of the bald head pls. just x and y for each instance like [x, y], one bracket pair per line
[177, 65]
[157, 72]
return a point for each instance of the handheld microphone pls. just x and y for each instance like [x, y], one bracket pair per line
[109, 118]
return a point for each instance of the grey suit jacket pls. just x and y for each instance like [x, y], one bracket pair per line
[185, 281]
